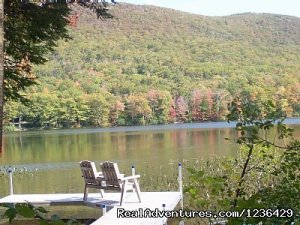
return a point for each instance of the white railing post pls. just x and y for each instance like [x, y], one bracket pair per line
[132, 170]
[103, 209]
[180, 184]
[164, 219]
[10, 175]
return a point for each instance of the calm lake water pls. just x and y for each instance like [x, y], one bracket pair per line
[51, 157]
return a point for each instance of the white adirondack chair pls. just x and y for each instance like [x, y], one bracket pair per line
[91, 176]
[117, 182]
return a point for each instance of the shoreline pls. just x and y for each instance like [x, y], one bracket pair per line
[161, 127]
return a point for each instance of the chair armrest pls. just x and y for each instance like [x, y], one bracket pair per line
[131, 177]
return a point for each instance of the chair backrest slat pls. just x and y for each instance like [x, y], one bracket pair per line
[111, 174]
[88, 170]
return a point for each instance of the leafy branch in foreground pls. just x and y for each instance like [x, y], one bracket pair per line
[266, 175]
[253, 122]
[30, 31]
[29, 211]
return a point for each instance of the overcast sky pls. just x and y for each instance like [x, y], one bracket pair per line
[227, 7]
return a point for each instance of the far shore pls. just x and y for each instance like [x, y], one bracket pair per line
[173, 126]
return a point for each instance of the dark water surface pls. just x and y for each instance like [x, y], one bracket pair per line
[50, 158]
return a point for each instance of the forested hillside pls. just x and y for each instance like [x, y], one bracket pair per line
[151, 65]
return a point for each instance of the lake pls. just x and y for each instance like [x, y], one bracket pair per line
[50, 157]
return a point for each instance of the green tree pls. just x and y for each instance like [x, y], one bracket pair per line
[30, 32]
[42, 110]
[73, 110]
[99, 110]
[160, 103]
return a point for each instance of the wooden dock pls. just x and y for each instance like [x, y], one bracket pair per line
[110, 204]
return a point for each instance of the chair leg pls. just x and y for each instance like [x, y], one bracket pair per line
[123, 192]
[137, 189]
[86, 192]
[102, 193]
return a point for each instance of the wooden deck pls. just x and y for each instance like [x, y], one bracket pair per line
[150, 200]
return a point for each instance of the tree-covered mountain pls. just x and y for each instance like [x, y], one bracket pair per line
[157, 65]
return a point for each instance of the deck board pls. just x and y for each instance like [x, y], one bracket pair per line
[49, 199]
[151, 200]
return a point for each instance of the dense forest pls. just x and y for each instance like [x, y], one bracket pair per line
[151, 65]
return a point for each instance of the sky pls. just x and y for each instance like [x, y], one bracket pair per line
[226, 7]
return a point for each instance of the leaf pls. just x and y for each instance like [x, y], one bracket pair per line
[43, 222]
[58, 222]
[42, 210]
[25, 211]
[10, 214]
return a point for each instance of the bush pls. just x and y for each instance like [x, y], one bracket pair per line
[265, 175]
